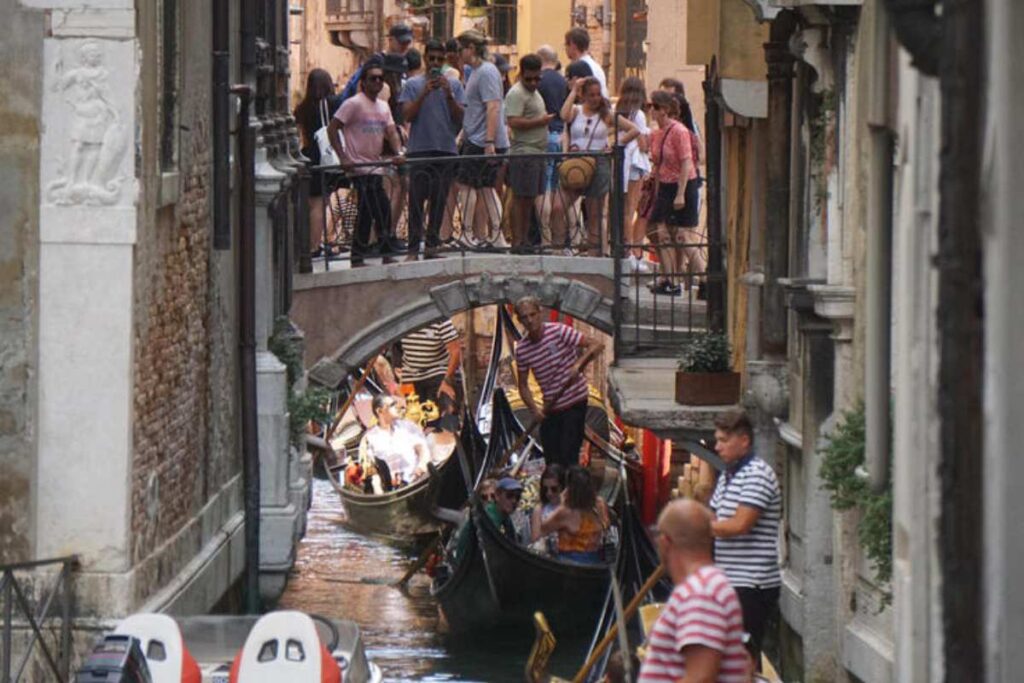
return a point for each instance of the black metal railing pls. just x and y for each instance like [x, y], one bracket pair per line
[16, 593]
[444, 206]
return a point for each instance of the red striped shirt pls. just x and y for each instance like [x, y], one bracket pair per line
[705, 611]
[551, 360]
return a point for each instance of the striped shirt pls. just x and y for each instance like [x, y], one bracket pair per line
[425, 352]
[704, 611]
[551, 359]
[750, 560]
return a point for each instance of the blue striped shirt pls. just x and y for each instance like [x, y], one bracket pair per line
[750, 560]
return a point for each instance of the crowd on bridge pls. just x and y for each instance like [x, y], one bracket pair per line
[446, 135]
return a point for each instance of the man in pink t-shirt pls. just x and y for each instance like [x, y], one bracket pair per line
[699, 634]
[365, 121]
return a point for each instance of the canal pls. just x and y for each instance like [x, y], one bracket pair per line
[339, 574]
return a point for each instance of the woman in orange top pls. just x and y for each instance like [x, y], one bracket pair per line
[580, 520]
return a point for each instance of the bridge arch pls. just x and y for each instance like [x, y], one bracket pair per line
[368, 313]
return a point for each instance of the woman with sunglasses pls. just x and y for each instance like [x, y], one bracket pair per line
[589, 125]
[552, 483]
[580, 520]
[674, 205]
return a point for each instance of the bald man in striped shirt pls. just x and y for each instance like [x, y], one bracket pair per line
[699, 634]
[552, 351]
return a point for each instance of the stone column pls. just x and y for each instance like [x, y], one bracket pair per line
[277, 513]
[777, 200]
[88, 196]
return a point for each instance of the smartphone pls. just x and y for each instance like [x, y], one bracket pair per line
[435, 74]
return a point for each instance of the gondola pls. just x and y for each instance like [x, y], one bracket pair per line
[405, 516]
[498, 583]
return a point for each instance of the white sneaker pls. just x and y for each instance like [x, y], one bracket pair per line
[631, 262]
[643, 267]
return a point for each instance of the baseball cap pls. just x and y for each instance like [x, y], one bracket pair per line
[509, 484]
[401, 32]
[501, 62]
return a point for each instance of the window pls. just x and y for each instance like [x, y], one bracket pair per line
[169, 85]
[440, 14]
[501, 22]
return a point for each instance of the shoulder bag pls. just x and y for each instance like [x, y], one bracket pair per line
[323, 142]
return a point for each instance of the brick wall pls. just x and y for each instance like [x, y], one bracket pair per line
[172, 390]
[184, 434]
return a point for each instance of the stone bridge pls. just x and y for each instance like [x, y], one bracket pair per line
[348, 315]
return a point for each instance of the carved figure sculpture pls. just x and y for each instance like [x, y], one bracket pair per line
[96, 137]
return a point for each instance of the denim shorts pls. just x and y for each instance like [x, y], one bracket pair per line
[551, 176]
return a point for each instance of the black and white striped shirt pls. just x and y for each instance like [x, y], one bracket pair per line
[750, 560]
[425, 352]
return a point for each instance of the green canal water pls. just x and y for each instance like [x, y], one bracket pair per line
[401, 629]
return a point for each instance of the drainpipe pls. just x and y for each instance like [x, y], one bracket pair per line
[878, 319]
[247, 344]
[713, 153]
[221, 132]
[606, 37]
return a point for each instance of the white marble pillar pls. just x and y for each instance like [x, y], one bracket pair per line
[88, 194]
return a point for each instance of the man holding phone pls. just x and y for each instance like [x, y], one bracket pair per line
[433, 105]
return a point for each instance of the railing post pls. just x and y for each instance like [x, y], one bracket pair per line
[8, 617]
[304, 250]
[65, 617]
[615, 210]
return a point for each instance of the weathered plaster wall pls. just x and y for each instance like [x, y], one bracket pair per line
[21, 59]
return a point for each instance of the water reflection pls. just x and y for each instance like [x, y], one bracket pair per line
[339, 573]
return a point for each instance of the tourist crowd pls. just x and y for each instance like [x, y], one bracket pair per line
[403, 118]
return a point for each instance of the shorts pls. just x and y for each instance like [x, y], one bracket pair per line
[663, 210]
[602, 180]
[636, 174]
[554, 147]
[526, 177]
[478, 172]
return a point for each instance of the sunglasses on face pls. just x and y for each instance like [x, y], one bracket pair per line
[375, 79]
[487, 497]
[515, 495]
[435, 59]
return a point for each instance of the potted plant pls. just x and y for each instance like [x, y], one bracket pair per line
[705, 376]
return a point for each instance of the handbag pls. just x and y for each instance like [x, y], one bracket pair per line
[576, 173]
[649, 188]
[328, 157]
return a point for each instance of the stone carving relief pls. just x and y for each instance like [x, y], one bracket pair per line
[88, 170]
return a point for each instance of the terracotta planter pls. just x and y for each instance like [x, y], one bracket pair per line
[707, 388]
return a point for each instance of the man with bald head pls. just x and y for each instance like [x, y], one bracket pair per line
[699, 634]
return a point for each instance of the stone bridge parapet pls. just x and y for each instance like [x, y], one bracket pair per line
[349, 315]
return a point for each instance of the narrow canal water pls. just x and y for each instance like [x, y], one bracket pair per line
[338, 573]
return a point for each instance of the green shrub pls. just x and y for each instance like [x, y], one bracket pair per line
[843, 454]
[708, 352]
[310, 405]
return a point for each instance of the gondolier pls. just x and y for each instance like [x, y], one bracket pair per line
[552, 352]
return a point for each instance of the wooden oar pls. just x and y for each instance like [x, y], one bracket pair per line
[351, 397]
[627, 614]
[534, 422]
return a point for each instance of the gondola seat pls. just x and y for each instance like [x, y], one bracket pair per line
[284, 646]
[159, 636]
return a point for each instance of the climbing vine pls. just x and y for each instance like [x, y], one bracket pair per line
[841, 457]
[311, 405]
[819, 123]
